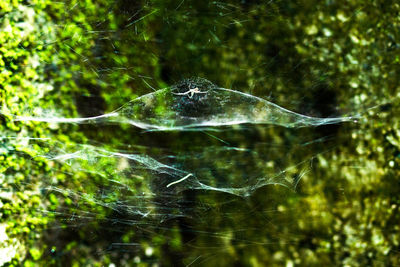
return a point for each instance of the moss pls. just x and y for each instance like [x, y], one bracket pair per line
[24, 83]
[316, 57]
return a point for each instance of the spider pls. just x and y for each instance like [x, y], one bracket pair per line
[191, 92]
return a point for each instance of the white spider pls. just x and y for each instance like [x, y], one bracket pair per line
[191, 92]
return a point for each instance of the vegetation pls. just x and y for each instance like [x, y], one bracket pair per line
[86, 58]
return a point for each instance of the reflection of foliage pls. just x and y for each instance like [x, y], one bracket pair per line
[315, 56]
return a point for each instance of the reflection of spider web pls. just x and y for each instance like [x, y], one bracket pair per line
[144, 194]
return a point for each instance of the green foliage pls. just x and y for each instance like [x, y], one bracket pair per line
[25, 85]
[316, 57]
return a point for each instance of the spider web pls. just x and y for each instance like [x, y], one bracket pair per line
[174, 109]
[191, 164]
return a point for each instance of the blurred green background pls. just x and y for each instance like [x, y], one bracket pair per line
[85, 58]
